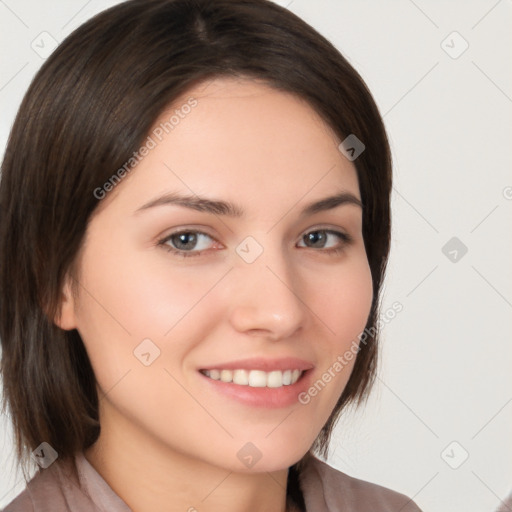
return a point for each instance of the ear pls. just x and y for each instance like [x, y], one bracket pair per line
[65, 317]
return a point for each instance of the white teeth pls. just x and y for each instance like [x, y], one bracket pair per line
[215, 374]
[255, 378]
[226, 376]
[240, 377]
[275, 379]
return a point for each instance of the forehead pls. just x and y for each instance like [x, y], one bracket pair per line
[241, 106]
[242, 137]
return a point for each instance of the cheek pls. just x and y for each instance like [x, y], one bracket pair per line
[128, 298]
[343, 305]
[343, 299]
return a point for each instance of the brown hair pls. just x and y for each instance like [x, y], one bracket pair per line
[90, 106]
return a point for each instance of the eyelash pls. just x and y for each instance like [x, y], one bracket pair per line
[345, 238]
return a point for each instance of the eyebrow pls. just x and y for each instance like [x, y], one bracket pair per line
[217, 207]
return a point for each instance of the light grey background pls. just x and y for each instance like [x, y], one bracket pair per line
[444, 389]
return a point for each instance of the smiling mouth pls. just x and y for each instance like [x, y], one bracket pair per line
[255, 378]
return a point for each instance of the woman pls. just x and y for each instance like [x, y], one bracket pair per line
[195, 226]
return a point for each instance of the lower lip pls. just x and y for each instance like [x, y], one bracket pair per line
[270, 398]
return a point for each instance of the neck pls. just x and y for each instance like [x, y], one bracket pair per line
[150, 477]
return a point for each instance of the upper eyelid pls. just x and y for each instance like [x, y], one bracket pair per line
[179, 231]
[204, 231]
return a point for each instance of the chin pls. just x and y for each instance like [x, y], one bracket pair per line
[266, 457]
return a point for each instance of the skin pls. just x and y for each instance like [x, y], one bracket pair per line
[167, 442]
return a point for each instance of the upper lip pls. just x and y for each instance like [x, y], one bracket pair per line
[263, 364]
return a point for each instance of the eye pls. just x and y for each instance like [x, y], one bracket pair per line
[321, 238]
[186, 243]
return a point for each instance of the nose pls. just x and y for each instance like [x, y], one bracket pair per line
[266, 298]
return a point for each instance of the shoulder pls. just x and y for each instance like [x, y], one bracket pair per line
[506, 505]
[53, 489]
[22, 503]
[326, 489]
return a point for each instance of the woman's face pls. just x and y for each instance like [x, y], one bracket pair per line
[268, 291]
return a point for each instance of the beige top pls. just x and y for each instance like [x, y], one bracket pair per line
[324, 488]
